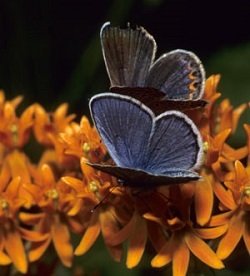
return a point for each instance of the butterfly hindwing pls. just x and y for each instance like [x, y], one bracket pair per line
[179, 74]
[175, 144]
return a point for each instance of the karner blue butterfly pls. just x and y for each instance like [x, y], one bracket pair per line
[148, 150]
[175, 80]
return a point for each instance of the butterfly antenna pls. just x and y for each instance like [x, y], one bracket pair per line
[102, 200]
[162, 196]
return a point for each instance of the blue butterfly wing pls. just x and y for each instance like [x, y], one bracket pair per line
[179, 74]
[124, 127]
[175, 146]
[128, 54]
[147, 150]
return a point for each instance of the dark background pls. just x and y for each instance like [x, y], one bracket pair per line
[50, 50]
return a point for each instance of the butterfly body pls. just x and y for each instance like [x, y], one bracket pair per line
[155, 99]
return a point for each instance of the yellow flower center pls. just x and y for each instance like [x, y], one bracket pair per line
[93, 186]
[247, 191]
[5, 207]
[205, 147]
[245, 199]
[53, 194]
[14, 133]
[86, 148]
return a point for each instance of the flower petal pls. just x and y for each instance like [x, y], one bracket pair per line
[48, 177]
[232, 237]
[90, 235]
[137, 241]
[74, 183]
[76, 225]
[156, 235]
[33, 235]
[4, 259]
[61, 239]
[123, 234]
[221, 219]
[31, 219]
[202, 251]
[181, 259]
[76, 207]
[37, 249]
[18, 164]
[15, 249]
[224, 196]
[211, 233]
[204, 200]
[241, 177]
[165, 255]
[5, 173]
[221, 137]
[246, 234]
[110, 226]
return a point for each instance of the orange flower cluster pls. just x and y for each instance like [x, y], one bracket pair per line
[43, 202]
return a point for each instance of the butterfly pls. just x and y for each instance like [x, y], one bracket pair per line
[175, 80]
[148, 150]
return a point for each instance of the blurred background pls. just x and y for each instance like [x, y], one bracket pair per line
[50, 53]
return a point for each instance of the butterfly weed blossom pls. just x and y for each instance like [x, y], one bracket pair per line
[193, 226]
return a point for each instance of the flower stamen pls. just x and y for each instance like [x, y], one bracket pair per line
[5, 207]
[86, 148]
[14, 133]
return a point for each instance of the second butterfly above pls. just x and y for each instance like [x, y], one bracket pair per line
[175, 80]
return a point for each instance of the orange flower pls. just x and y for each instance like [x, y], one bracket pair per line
[102, 218]
[205, 118]
[227, 116]
[14, 131]
[16, 164]
[247, 129]
[54, 198]
[236, 201]
[183, 237]
[204, 197]
[184, 241]
[210, 93]
[84, 141]
[89, 191]
[216, 118]
[47, 124]
[10, 231]
[220, 156]
[15, 102]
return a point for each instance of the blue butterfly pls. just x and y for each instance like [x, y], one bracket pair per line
[175, 80]
[148, 150]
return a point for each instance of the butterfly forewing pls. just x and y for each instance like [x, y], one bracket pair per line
[128, 54]
[124, 127]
